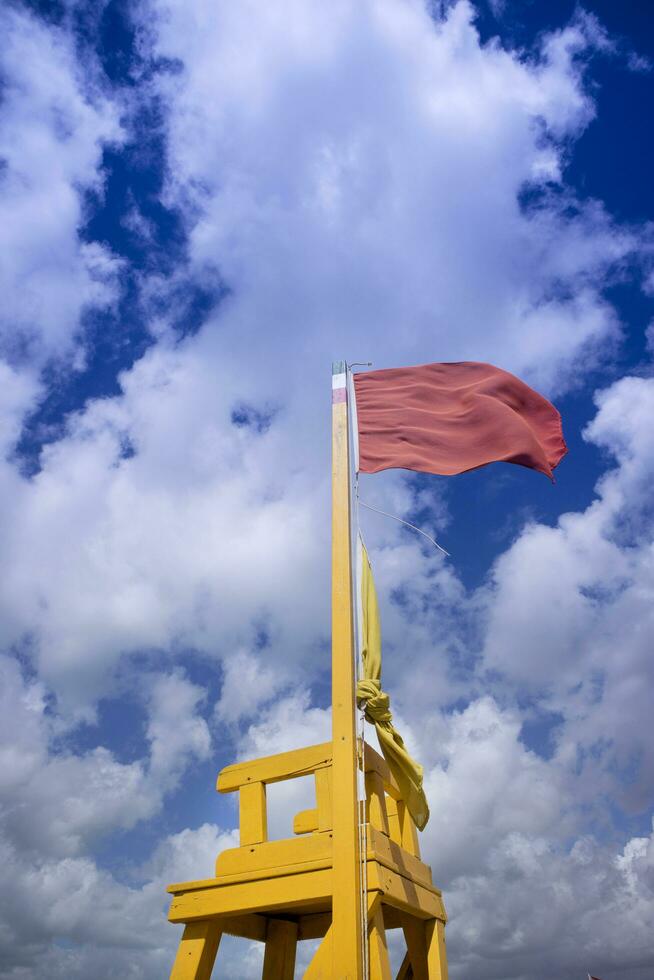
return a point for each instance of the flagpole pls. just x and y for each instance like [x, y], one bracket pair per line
[346, 922]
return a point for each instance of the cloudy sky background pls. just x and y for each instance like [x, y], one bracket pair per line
[204, 204]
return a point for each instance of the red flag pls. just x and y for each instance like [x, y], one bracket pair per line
[449, 418]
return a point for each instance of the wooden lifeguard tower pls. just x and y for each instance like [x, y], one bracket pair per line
[353, 869]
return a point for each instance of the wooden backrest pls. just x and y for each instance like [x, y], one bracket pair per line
[251, 779]
[385, 809]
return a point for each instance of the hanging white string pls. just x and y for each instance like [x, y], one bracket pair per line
[363, 845]
[361, 812]
[401, 521]
[360, 733]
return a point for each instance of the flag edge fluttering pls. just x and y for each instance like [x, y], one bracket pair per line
[546, 433]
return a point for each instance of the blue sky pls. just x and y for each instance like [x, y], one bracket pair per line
[203, 206]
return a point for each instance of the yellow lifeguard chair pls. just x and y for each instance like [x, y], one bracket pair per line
[353, 870]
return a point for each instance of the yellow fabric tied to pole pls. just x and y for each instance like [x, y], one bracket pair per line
[406, 771]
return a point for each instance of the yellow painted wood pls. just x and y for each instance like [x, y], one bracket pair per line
[376, 813]
[314, 926]
[416, 943]
[285, 857]
[197, 951]
[380, 967]
[404, 893]
[253, 819]
[309, 891]
[262, 874]
[391, 918]
[407, 830]
[394, 829]
[275, 768]
[324, 802]
[245, 926]
[436, 956]
[402, 828]
[374, 902]
[346, 925]
[294, 878]
[374, 762]
[281, 946]
[305, 822]
[405, 972]
[387, 852]
[320, 967]
[280, 855]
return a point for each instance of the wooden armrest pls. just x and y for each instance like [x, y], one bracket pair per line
[305, 822]
[275, 768]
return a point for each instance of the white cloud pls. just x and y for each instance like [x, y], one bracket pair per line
[353, 170]
[547, 903]
[489, 788]
[390, 182]
[54, 805]
[47, 929]
[18, 391]
[290, 723]
[319, 191]
[524, 882]
[58, 802]
[54, 122]
[177, 734]
[570, 608]
[247, 684]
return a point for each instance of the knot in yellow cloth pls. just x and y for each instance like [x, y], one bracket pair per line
[374, 700]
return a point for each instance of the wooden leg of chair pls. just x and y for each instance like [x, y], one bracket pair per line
[406, 970]
[197, 951]
[281, 946]
[320, 967]
[416, 944]
[436, 957]
[380, 967]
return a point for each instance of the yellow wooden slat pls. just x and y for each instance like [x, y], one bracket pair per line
[416, 942]
[376, 802]
[245, 926]
[253, 819]
[404, 893]
[391, 918]
[197, 951]
[305, 822]
[320, 967]
[394, 829]
[281, 946]
[324, 798]
[297, 855]
[274, 768]
[314, 926]
[406, 971]
[436, 957]
[275, 854]
[388, 853]
[283, 871]
[374, 762]
[310, 892]
[346, 925]
[380, 967]
[407, 829]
